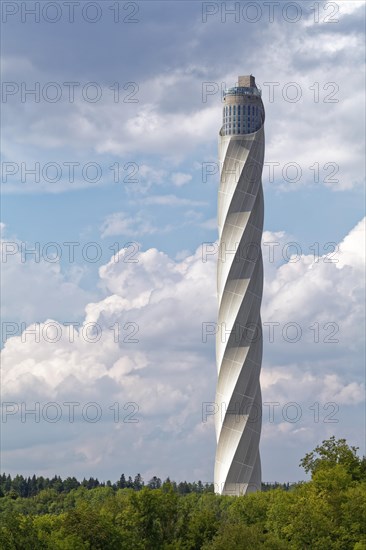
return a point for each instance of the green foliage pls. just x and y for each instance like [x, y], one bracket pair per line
[204, 521]
[332, 452]
[20, 486]
[247, 537]
[18, 531]
[328, 512]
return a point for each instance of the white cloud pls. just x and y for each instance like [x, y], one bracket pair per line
[209, 224]
[285, 385]
[171, 200]
[122, 223]
[34, 286]
[169, 372]
[179, 178]
[169, 131]
[322, 132]
[324, 290]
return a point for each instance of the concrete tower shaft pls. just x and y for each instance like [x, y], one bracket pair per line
[239, 288]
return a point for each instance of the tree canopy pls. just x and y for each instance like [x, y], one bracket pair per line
[327, 512]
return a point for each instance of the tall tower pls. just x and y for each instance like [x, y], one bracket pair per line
[239, 288]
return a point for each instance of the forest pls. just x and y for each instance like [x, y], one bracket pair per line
[327, 512]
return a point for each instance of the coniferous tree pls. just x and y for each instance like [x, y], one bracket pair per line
[138, 483]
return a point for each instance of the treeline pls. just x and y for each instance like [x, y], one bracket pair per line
[26, 487]
[327, 512]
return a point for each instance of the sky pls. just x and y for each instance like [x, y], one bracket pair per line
[111, 113]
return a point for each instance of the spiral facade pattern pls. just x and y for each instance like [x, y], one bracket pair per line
[239, 286]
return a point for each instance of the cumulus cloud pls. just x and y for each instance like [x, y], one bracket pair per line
[137, 351]
[312, 289]
[34, 285]
[310, 100]
[141, 346]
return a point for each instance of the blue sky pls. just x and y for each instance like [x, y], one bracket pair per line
[166, 61]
